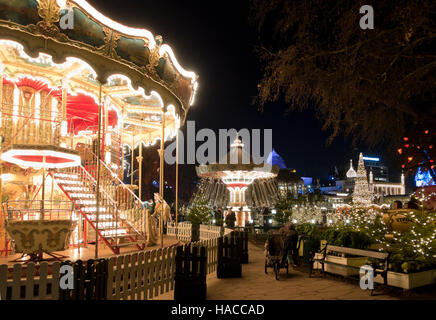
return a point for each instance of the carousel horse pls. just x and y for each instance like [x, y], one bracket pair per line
[158, 209]
[151, 229]
[148, 205]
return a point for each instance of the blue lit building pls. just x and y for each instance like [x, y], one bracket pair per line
[423, 178]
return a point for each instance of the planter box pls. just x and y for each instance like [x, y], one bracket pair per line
[409, 281]
[343, 271]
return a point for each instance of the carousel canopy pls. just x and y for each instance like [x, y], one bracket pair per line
[36, 157]
[237, 168]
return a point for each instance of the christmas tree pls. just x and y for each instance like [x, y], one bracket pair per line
[362, 196]
[199, 210]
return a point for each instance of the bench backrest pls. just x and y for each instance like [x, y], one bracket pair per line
[358, 252]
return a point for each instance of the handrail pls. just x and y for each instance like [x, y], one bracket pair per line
[19, 209]
[121, 182]
[115, 177]
[124, 187]
[109, 197]
[94, 181]
[136, 218]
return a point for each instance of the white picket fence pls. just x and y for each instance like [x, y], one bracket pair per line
[209, 232]
[182, 232]
[141, 276]
[209, 238]
[137, 276]
[40, 283]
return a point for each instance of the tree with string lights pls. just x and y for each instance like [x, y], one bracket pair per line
[362, 195]
[417, 151]
[199, 210]
[376, 86]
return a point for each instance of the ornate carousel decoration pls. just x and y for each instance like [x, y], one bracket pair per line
[73, 101]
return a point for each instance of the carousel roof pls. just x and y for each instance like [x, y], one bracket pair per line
[136, 69]
[237, 166]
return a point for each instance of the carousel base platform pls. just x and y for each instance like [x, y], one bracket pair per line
[84, 254]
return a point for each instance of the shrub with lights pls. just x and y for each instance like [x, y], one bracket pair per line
[283, 212]
[415, 250]
[412, 250]
[367, 221]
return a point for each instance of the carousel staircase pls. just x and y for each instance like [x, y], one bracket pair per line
[114, 227]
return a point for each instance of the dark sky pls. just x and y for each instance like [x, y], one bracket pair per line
[214, 39]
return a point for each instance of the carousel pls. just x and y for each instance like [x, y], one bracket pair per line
[73, 103]
[238, 172]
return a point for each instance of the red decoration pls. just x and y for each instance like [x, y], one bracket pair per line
[82, 110]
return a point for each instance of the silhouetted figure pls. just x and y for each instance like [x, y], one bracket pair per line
[219, 217]
[230, 219]
[290, 238]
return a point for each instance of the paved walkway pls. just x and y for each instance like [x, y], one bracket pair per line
[256, 285]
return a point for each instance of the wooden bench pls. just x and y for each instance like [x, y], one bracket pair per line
[381, 257]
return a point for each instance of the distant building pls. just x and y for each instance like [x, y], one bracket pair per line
[378, 180]
[289, 183]
[376, 166]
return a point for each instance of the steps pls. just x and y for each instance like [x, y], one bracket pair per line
[116, 231]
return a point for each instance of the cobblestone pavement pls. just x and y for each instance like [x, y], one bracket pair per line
[256, 285]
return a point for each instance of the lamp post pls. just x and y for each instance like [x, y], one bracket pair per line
[161, 176]
[177, 180]
[132, 153]
[97, 190]
[140, 172]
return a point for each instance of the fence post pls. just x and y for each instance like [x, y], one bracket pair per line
[190, 276]
[242, 238]
[229, 260]
[90, 281]
[65, 294]
[195, 232]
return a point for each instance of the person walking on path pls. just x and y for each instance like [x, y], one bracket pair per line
[230, 219]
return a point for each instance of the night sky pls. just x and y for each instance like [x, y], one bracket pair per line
[214, 39]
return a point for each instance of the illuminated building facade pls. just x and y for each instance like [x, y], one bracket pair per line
[378, 182]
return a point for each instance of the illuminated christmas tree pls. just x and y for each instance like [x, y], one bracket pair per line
[199, 210]
[362, 196]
